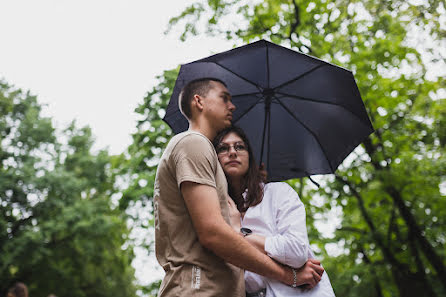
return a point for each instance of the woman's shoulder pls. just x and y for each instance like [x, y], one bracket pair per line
[278, 186]
[280, 193]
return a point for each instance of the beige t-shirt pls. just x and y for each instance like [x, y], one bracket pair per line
[191, 269]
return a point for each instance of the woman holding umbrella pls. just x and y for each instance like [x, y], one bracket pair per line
[272, 217]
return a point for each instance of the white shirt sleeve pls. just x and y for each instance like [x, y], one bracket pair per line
[290, 244]
[254, 282]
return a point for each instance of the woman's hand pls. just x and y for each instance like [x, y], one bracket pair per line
[234, 215]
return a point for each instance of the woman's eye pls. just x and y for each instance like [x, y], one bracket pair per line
[239, 147]
[222, 149]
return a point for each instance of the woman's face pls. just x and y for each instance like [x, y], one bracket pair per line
[233, 156]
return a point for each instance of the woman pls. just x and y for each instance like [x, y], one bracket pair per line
[273, 212]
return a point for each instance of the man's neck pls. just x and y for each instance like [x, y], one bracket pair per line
[203, 129]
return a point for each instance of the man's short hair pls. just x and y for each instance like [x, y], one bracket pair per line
[200, 87]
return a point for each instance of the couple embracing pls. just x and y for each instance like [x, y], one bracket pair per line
[219, 230]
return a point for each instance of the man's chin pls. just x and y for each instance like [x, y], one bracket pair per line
[227, 125]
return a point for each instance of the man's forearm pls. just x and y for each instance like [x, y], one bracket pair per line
[257, 241]
[233, 248]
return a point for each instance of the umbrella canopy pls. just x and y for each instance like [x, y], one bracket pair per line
[303, 116]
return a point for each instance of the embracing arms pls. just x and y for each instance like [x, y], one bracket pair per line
[216, 235]
[289, 242]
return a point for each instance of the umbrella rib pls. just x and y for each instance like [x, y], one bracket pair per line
[308, 129]
[299, 76]
[246, 94]
[246, 111]
[245, 79]
[324, 102]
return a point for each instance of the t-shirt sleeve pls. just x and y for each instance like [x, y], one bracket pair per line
[195, 161]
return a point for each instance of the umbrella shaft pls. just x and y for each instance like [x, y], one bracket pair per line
[266, 124]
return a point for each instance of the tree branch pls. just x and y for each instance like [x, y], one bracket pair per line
[421, 273]
[391, 226]
[375, 233]
[296, 22]
[294, 25]
[414, 230]
[352, 229]
[376, 282]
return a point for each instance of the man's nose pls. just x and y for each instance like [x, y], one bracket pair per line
[231, 106]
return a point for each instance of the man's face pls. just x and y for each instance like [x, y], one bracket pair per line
[218, 106]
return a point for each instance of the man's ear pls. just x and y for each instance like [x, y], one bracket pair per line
[197, 101]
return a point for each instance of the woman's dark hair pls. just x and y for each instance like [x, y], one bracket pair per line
[252, 180]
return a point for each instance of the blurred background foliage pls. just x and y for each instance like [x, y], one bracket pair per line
[59, 231]
[377, 225]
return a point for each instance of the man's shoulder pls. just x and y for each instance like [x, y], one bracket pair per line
[189, 137]
[191, 141]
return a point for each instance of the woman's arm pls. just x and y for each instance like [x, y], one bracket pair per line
[258, 241]
[290, 245]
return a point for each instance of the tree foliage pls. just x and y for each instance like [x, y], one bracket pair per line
[141, 159]
[389, 194]
[137, 166]
[58, 230]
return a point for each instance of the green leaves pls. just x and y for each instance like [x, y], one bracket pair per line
[139, 164]
[58, 232]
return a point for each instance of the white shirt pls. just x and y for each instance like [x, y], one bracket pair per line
[280, 217]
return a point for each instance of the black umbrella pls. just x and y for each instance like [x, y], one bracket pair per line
[303, 116]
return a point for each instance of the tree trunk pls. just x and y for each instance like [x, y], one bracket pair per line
[415, 232]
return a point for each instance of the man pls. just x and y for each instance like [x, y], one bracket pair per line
[193, 240]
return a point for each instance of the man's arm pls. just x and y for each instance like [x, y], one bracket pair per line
[216, 235]
[258, 241]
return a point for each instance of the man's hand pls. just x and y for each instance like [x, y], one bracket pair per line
[309, 275]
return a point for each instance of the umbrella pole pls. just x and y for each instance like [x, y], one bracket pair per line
[269, 136]
[265, 123]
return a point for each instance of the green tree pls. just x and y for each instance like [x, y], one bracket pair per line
[137, 166]
[388, 193]
[140, 162]
[59, 232]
